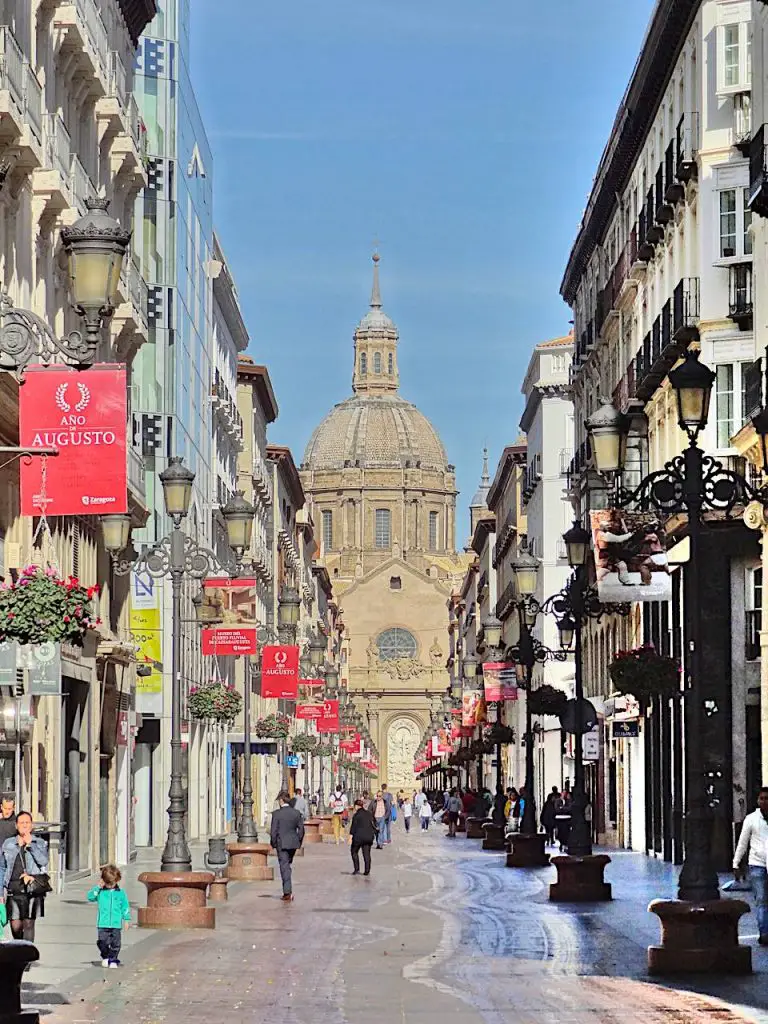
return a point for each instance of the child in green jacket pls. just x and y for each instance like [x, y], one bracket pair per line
[114, 913]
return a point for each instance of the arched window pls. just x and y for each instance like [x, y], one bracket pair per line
[396, 643]
[390, 364]
[363, 364]
[377, 362]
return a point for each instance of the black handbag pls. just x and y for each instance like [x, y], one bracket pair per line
[40, 884]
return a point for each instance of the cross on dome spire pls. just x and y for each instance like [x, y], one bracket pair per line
[375, 370]
[375, 291]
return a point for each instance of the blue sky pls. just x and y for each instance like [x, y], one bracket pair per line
[463, 134]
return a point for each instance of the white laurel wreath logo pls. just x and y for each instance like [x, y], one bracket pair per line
[60, 397]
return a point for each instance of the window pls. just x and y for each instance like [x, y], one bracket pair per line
[396, 643]
[731, 55]
[390, 364]
[754, 612]
[363, 364]
[730, 400]
[382, 537]
[735, 220]
[735, 61]
[433, 531]
[559, 364]
[327, 530]
[377, 362]
[395, 583]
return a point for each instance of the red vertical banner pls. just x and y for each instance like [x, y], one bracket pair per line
[329, 720]
[83, 415]
[232, 603]
[280, 672]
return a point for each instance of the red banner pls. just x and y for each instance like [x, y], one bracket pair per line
[499, 681]
[280, 672]
[232, 604]
[419, 766]
[83, 415]
[309, 712]
[329, 722]
[351, 745]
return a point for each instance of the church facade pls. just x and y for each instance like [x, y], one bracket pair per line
[383, 497]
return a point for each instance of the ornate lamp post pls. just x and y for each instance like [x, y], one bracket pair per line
[177, 556]
[691, 483]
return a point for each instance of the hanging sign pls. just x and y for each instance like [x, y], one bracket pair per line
[625, 730]
[329, 721]
[308, 688]
[83, 415]
[43, 665]
[499, 680]
[309, 712]
[232, 604]
[590, 744]
[630, 556]
[473, 707]
[280, 672]
[9, 651]
[351, 744]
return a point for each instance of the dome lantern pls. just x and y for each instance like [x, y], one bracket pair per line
[375, 369]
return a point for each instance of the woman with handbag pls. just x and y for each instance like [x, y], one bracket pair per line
[23, 868]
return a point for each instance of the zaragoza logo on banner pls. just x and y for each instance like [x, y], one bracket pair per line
[280, 672]
[83, 415]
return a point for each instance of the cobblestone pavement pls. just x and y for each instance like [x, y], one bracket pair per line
[440, 932]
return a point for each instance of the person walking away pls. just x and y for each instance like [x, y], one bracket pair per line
[407, 809]
[338, 804]
[498, 806]
[363, 830]
[300, 803]
[286, 835]
[388, 819]
[23, 868]
[563, 819]
[453, 810]
[513, 817]
[114, 913]
[418, 800]
[378, 809]
[425, 813]
[753, 844]
[7, 818]
[548, 813]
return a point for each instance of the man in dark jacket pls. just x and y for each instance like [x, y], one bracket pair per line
[286, 836]
[7, 818]
[363, 832]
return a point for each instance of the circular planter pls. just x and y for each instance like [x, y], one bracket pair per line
[177, 900]
[248, 862]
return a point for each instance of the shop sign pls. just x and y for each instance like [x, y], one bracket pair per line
[625, 730]
[280, 672]
[43, 665]
[83, 415]
[590, 744]
[232, 603]
[292, 761]
[146, 634]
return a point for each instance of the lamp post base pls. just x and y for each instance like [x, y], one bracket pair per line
[312, 831]
[580, 879]
[699, 938]
[527, 851]
[15, 956]
[493, 836]
[248, 862]
[475, 828]
[177, 900]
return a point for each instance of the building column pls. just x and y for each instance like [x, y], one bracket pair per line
[345, 523]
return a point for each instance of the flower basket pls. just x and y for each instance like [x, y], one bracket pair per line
[302, 743]
[218, 702]
[499, 734]
[547, 700]
[41, 606]
[645, 673]
[476, 747]
[272, 727]
[323, 750]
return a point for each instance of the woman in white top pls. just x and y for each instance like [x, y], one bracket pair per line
[407, 808]
[425, 813]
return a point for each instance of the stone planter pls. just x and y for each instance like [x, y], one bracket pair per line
[699, 938]
[326, 824]
[248, 862]
[580, 879]
[312, 831]
[475, 828]
[14, 957]
[527, 851]
[176, 900]
[493, 836]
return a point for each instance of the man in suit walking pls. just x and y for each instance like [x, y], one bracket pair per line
[286, 837]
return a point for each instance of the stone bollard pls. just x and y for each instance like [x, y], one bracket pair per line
[176, 900]
[217, 890]
[493, 836]
[699, 938]
[312, 831]
[14, 957]
[216, 859]
[248, 862]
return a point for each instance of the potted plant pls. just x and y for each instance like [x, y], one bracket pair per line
[499, 733]
[217, 701]
[272, 727]
[303, 743]
[547, 700]
[41, 606]
[645, 673]
[323, 750]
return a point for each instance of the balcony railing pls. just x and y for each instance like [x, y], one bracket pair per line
[740, 295]
[754, 623]
[645, 250]
[758, 173]
[118, 79]
[687, 147]
[504, 536]
[685, 311]
[663, 344]
[33, 102]
[138, 128]
[664, 212]
[753, 379]
[82, 186]
[59, 146]
[95, 30]
[11, 66]
[654, 233]
[566, 454]
[674, 192]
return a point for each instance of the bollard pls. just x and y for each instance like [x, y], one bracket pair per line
[216, 859]
[14, 957]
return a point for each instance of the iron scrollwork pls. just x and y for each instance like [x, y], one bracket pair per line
[25, 337]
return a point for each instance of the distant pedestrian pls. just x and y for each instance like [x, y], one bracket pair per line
[548, 814]
[418, 800]
[286, 836]
[23, 868]
[363, 831]
[563, 819]
[114, 913]
[407, 809]
[300, 804]
[378, 809]
[453, 810]
[498, 806]
[425, 814]
[388, 819]
[338, 805]
[753, 844]
[7, 818]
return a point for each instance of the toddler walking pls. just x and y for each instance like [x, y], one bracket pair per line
[114, 913]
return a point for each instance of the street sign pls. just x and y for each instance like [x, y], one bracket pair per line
[590, 744]
[625, 730]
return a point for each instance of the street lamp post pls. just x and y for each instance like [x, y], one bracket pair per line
[177, 556]
[691, 483]
[247, 831]
[288, 612]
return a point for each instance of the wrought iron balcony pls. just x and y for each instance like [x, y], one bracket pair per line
[506, 603]
[685, 311]
[674, 192]
[753, 378]
[687, 147]
[758, 174]
[657, 356]
[645, 250]
[654, 233]
[740, 295]
[664, 212]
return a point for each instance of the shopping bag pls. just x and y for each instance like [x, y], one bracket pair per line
[737, 885]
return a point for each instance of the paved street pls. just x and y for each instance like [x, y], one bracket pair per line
[441, 931]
